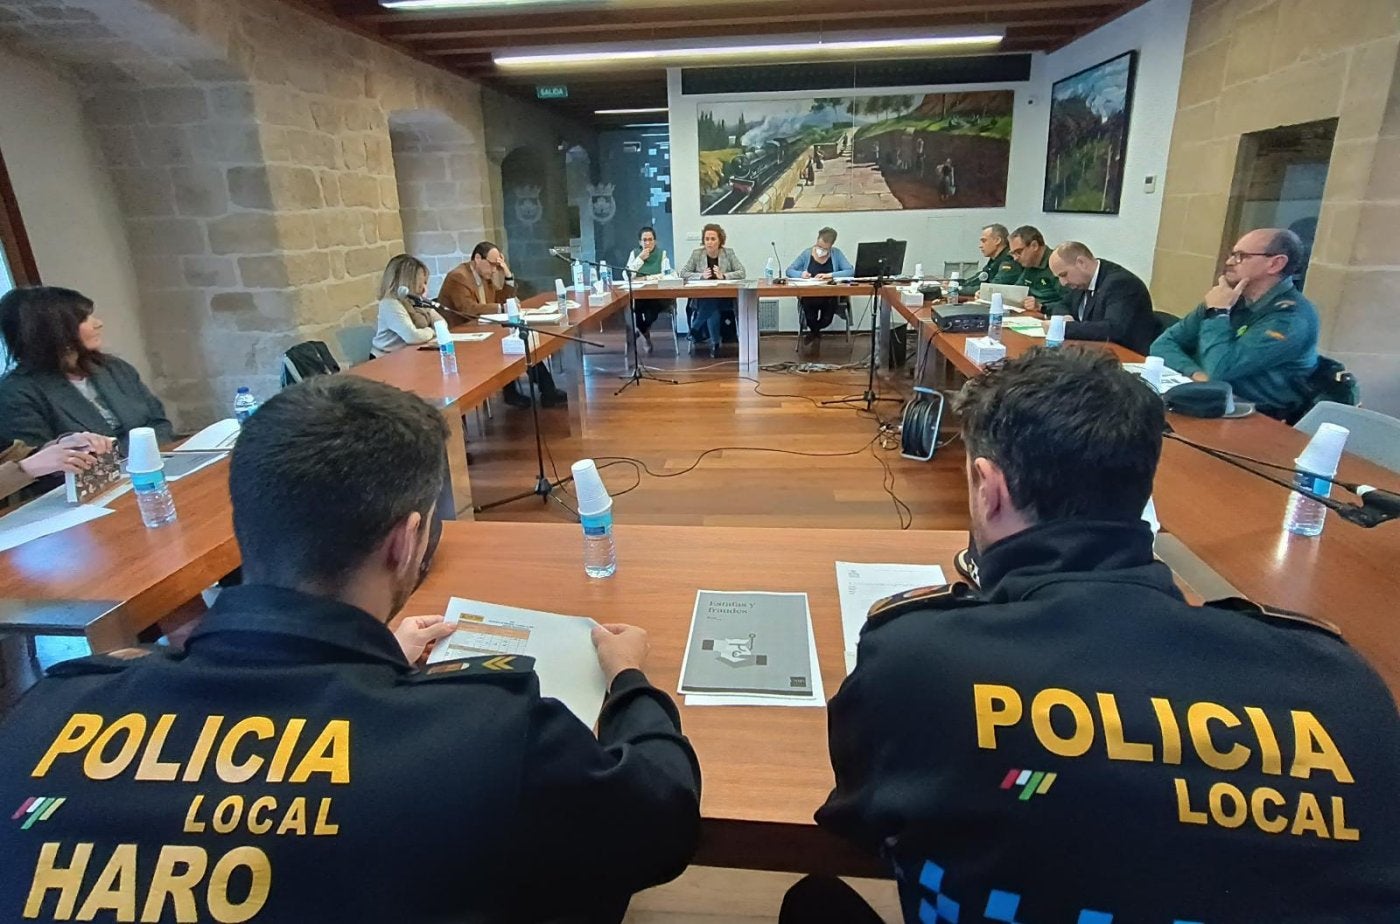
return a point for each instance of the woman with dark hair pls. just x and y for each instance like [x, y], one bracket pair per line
[62, 382]
[647, 261]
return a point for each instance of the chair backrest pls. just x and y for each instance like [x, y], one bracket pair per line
[308, 358]
[1165, 319]
[356, 343]
[1374, 436]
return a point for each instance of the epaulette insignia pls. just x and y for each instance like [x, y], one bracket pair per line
[106, 663]
[1277, 334]
[1276, 616]
[483, 667]
[1287, 303]
[942, 597]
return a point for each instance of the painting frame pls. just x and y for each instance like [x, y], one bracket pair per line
[1058, 194]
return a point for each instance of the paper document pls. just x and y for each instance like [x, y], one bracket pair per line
[44, 516]
[180, 464]
[861, 585]
[1170, 377]
[221, 435]
[751, 648]
[562, 646]
[705, 282]
[1026, 327]
[529, 317]
[473, 337]
[809, 282]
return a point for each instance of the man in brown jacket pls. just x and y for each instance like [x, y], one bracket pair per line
[481, 286]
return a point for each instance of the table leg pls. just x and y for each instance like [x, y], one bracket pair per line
[747, 319]
[572, 359]
[457, 491]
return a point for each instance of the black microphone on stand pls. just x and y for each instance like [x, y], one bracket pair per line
[421, 302]
[780, 276]
[1377, 506]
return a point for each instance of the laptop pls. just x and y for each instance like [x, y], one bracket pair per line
[880, 258]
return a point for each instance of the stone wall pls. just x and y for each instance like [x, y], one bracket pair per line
[250, 145]
[1253, 65]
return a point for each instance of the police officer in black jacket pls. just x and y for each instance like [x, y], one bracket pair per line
[1076, 743]
[293, 766]
[1104, 301]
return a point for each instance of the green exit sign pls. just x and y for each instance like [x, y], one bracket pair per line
[556, 92]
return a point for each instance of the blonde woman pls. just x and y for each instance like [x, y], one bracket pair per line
[401, 323]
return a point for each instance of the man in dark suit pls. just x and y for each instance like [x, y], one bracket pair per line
[1106, 301]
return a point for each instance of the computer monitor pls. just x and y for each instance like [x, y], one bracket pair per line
[880, 258]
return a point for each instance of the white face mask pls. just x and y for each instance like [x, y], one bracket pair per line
[821, 253]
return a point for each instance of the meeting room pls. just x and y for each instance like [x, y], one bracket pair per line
[648, 462]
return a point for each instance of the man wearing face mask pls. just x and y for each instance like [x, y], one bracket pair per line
[822, 261]
[293, 765]
[1075, 742]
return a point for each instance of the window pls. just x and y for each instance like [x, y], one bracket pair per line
[17, 266]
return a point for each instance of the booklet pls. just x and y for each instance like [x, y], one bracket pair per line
[562, 646]
[750, 643]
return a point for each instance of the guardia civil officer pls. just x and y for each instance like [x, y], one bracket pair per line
[1077, 743]
[293, 766]
[1001, 268]
[1253, 329]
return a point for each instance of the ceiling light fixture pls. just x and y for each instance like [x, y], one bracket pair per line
[640, 111]
[552, 59]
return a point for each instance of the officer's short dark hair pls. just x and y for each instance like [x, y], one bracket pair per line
[1029, 234]
[1286, 243]
[998, 231]
[324, 470]
[1077, 436]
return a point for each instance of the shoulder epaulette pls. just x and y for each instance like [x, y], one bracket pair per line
[485, 667]
[942, 597]
[109, 662]
[1275, 616]
[1287, 303]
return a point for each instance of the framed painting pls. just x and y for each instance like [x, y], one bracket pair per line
[1089, 115]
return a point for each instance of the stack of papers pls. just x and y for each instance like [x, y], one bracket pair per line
[1026, 327]
[44, 516]
[565, 660]
[809, 282]
[1170, 377]
[216, 436]
[705, 282]
[551, 316]
[751, 649]
[473, 337]
[861, 585]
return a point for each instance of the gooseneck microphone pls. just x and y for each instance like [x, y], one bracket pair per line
[1377, 506]
[780, 276]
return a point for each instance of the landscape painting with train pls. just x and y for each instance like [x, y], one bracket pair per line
[862, 153]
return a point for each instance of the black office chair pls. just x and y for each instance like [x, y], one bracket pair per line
[1165, 319]
[843, 311]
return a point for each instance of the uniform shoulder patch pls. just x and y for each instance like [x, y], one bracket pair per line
[483, 667]
[1276, 334]
[1287, 303]
[109, 662]
[1275, 616]
[941, 597]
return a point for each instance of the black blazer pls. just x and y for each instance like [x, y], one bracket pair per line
[1119, 309]
[37, 407]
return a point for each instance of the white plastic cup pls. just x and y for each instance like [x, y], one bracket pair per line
[1321, 456]
[1055, 334]
[560, 292]
[592, 495]
[441, 332]
[1152, 367]
[955, 276]
[143, 452]
[918, 271]
[513, 309]
[599, 287]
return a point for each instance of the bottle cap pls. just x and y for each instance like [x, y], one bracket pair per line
[1323, 451]
[244, 390]
[143, 452]
[1057, 328]
[592, 496]
[440, 329]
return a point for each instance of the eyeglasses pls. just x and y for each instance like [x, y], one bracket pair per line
[1239, 256]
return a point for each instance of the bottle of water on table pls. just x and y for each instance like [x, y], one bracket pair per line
[244, 404]
[147, 470]
[994, 318]
[1305, 516]
[447, 347]
[595, 513]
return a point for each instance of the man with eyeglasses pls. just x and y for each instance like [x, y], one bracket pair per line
[1253, 329]
[1029, 250]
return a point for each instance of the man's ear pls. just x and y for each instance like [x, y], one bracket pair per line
[402, 543]
[989, 489]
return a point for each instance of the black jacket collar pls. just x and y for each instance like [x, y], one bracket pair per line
[1072, 551]
[262, 617]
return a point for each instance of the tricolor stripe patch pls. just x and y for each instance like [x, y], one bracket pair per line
[1032, 782]
[37, 808]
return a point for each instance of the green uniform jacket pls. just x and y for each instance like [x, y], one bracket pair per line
[1043, 285]
[1265, 350]
[1002, 270]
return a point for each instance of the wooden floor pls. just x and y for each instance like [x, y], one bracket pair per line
[668, 427]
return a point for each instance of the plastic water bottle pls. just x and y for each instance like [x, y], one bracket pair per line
[605, 273]
[147, 470]
[447, 348]
[1055, 332]
[994, 316]
[770, 270]
[666, 268]
[578, 276]
[1305, 516]
[595, 513]
[244, 404]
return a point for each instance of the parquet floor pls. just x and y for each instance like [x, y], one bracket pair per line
[841, 483]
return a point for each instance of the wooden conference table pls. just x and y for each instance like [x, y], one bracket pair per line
[1233, 521]
[111, 578]
[766, 769]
